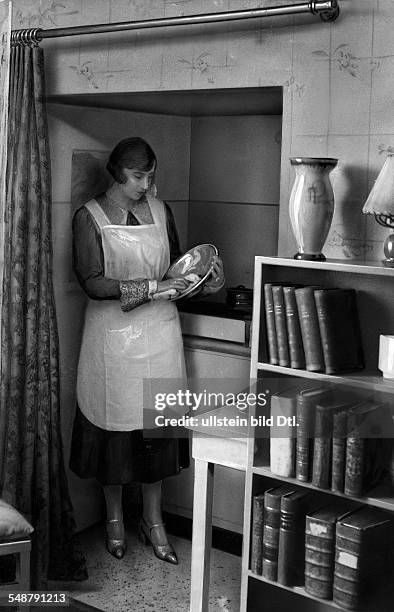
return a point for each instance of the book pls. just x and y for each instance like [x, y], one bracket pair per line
[363, 556]
[291, 551]
[272, 502]
[283, 437]
[310, 330]
[280, 325]
[296, 349]
[367, 425]
[307, 399]
[338, 459]
[273, 355]
[320, 529]
[256, 554]
[339, 330]
[323, 440]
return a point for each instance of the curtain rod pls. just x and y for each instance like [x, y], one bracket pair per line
[328, 11]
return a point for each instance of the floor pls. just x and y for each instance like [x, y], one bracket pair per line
[140, 582]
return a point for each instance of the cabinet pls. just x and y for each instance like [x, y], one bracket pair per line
[375, 292]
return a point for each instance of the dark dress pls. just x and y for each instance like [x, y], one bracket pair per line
[117, 457]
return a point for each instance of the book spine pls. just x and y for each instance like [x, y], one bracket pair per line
[280, 324]
[354, 469]
[303, 441]
[296, 349]
[319, 561]
[270, 324]
[338, 452]
[291, 552]
[256, 556]
[310, 331]
[282, 439]
[322, 449]
[271, 536]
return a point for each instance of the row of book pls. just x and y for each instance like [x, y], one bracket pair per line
[340, 442]
[338, 551]
[313, 328]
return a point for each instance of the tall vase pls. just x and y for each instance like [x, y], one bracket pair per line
[311, 205]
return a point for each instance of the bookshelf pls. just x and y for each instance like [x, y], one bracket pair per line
[374, 285]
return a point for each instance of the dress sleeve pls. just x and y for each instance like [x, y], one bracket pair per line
[88, 259]
[173, 238]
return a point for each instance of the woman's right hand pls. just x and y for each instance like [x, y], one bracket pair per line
[170, 287]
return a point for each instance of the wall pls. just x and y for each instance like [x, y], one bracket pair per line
[234, 189]
[73, 128]
[337, 80]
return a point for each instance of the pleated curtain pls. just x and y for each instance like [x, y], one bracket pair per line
[32, 474]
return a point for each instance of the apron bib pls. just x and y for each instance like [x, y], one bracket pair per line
[122, 351]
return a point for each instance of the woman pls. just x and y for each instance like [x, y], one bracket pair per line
[123, 243]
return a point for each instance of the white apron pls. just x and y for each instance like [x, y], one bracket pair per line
[122, 351]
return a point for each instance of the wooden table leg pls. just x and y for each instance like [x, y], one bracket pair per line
[202, 535]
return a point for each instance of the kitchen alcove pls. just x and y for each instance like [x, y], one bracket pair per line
[219, 154]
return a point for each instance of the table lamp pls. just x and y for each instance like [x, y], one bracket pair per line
[380, 203]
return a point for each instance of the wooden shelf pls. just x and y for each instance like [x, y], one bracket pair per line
[385, 595]
[334, 265]
[381, 496]
[297, 590]
[363, 378]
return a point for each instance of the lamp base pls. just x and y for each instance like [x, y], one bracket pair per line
[388, 263]
[310, 256]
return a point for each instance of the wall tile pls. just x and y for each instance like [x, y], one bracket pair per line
[382, 116]
[46, 13]
[346, 85]
[383, 40]
[349, 178]
[308, 81]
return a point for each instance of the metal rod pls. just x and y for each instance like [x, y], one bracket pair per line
[328, 10]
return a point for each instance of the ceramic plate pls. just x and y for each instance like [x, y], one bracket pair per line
[196, 261]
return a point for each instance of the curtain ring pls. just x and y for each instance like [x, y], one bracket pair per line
[312, 7]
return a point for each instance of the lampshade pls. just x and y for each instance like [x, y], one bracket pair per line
[381, 199]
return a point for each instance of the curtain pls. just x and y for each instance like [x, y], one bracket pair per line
[32, 474]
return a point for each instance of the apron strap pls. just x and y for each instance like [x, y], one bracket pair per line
[97, 213]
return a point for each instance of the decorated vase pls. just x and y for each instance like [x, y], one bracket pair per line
[311, 205]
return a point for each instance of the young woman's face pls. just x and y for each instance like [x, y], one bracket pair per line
[137, 182]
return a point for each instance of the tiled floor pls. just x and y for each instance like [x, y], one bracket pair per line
[140, 582]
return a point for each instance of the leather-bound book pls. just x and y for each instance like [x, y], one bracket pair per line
[272, 502]
[307, 401]
[323, 441]
[368, 426]
[280, 325]
[291, 553]
[296, 349]
[338, 460]
[256, 554]
[310, 330]
[272, 341]
[320, 548]
[283, 437]
[339, 330]
[363, 557]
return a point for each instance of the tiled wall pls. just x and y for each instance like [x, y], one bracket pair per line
[337, 79]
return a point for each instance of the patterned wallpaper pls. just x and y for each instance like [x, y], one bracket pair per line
[337, 80]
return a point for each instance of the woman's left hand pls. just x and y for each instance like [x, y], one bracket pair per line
[216, 280]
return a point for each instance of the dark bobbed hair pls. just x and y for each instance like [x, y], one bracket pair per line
[130, 153]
